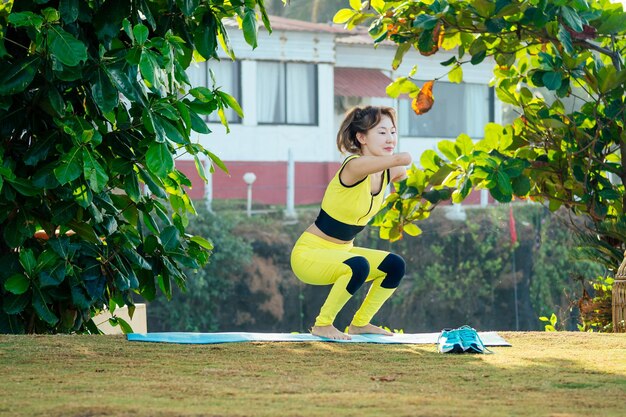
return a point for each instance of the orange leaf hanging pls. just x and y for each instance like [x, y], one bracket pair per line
[424, 100]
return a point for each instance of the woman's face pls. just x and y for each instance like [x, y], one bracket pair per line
[380, 140]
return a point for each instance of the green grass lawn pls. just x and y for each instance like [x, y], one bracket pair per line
[543, 374]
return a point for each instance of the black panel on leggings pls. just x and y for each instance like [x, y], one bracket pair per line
[360, 270]
[395, 268]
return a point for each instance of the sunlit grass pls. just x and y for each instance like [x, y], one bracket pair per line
[543, 374]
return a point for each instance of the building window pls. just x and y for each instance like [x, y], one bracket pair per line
[227, 76]
[286, 93]
[458, 108]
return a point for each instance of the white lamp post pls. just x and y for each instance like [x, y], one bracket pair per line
[456, 213]
[249, 179]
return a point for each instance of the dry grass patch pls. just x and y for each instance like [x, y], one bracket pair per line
[543, 374]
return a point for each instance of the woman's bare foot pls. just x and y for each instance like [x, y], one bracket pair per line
[368, 329]
[329, 332]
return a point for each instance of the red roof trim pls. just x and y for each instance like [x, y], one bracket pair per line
[360, 82]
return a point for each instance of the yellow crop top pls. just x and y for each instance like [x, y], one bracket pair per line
[346, 209]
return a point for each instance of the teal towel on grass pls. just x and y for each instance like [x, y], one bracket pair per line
[489, 338]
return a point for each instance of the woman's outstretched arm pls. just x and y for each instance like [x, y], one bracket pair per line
[358, 168]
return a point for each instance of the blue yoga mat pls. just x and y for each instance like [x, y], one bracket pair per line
[488, 338]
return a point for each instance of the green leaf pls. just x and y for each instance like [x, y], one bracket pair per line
[202, 242]
[401, 85]
[198, 124]
[448, 149]
[566, 39]
[15, 304]
[153, 186]
[170, 238]
[17, 284]
[40, 304]
[250, 28]
[478, 57]
[24, 187]
[83, 196]
[104, 93]
[456, 75]
[126, 328]
[572, 18]
[80, 298]
[552, 80]
[187, 6]
[121, 79]
[140, 32]
[521, 186]
[205, 38]
[343, 15]
[22, 19]
[131, 186]
[231, 102]
[496, 25]
[217, 161]
[149, 66]
[430, 160]
[50, 14]
[504, 183]
[85, 231]
[400, 52]
[16, 77]
[70, 167]
[65, 47]
[356, 4]
[94, 172]
[553, 319]
[159, 159]
[200, 168]
[202, 93]
[28, 261]
[69, 10]
[166, 130]
[553, 123]
[412, 229]
[425, 21]
[614, 23]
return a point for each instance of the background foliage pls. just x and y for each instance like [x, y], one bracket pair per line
[94, 107]
[202, 305]
[459, 273]
[553, 154]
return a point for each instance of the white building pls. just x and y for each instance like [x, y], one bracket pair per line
[294, 89]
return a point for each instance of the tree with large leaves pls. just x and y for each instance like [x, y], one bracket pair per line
[95, 106]
[560, 156]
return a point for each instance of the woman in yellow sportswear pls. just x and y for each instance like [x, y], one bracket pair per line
[325, 254]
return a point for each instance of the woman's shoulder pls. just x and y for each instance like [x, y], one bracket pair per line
[349, 158]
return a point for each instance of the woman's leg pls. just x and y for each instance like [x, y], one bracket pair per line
[319, 262]
[387, 269]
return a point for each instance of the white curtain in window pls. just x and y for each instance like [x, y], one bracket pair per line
[270, 92]
[404, 118]
[477, 109]
[458, 108]
[226, 79]
[301, 94]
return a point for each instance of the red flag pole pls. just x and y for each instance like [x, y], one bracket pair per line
[512, 229]
[513, 233]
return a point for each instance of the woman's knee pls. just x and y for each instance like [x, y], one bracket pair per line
[360, 270]
[395, 267]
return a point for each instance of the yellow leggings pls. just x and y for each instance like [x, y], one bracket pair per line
[317, 261]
